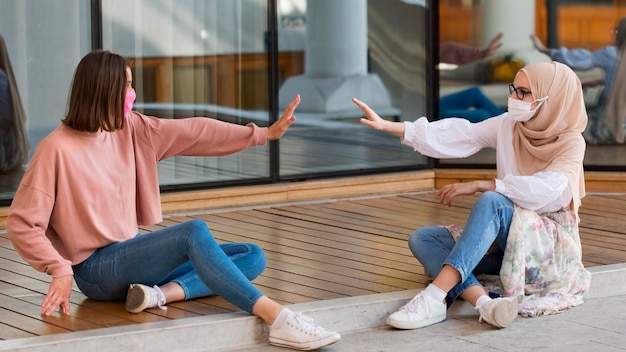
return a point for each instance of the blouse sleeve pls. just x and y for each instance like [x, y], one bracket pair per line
[451, 137]
[544, 191]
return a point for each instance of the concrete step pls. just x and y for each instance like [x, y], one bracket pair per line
[597, 325]
[240, 330]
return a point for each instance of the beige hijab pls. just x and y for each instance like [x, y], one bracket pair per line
[552, 139]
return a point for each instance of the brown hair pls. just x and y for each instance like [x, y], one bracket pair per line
[96, 100]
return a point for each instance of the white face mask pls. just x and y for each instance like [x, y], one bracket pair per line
[521, 110]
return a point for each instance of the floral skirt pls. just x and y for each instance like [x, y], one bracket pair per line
[542, 263]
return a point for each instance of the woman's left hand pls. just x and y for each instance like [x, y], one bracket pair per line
[278, 128]
[58, 295]
[449, 192]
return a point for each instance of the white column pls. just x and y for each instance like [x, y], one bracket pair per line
[516, 20]
[335, 62]
[336, 38]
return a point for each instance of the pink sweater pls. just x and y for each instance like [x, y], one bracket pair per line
[83, 191]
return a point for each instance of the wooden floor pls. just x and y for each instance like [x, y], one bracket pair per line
[315, 251]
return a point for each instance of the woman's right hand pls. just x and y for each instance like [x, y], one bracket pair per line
[376, 122]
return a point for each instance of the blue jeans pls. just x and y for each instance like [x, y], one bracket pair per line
[470, 104]
[186, 254]
[488, 221]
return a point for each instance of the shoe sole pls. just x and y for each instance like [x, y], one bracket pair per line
[313, 345]
[135, 299]
[505, 312]
[407, 325]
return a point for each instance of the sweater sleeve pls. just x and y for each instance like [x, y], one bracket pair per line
[197, 136]
[450, 137]
[453, 53]
[27, 224]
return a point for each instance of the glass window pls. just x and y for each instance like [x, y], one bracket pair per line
[464, 89]
[43, 42]
[583, 32]
[595, 54]
[211, 58]
[197, 58]
[373, 50]
[218, 59]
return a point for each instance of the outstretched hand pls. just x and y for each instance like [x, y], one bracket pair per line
[278, 128]
[371, 118]
[374, 121]
[494, 45]
[539, 45]
[58, 295]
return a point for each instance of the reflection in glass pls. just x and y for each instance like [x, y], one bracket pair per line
[210, 58]
[372, 50]
[43, 61]
[471, 22]
[607, 113]
[197, 58]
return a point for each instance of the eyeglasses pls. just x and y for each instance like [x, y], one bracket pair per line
[519, 92]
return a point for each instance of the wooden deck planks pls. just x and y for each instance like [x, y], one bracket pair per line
[315, 251]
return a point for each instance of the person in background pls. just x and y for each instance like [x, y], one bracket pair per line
[469, 103]
[93, 181]
[14, 143]
[607, 118]
[5, 96]
[524, 225]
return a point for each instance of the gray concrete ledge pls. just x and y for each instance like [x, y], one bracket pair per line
[607, 280]
[236, 330]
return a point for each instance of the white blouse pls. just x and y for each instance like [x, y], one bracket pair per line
[545, 191]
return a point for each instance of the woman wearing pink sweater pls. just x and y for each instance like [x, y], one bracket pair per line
[93, 181]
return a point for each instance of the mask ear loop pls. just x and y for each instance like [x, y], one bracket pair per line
[540, 101]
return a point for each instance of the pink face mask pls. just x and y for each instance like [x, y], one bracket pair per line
[130, 99]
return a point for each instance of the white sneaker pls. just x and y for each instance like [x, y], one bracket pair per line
[421, 311]
[297, 331]
[499, 312]
[140, 297]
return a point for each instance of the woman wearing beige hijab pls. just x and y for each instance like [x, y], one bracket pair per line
[524, 226]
